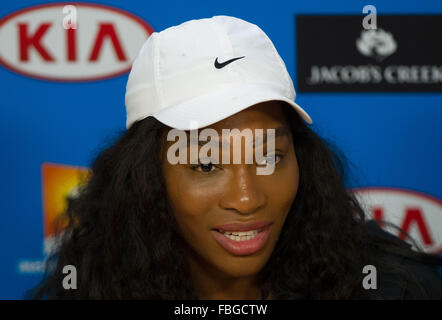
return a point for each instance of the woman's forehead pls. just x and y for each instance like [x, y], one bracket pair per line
[255, 122]
[264, 115]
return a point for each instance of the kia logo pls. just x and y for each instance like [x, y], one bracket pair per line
[101, 43]
[417, 213]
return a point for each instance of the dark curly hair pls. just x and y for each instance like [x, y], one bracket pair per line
[125, 243]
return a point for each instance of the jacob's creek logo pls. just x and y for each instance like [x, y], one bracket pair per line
[378, 44]
[335, 54]
[60, 184]
[418, 214]
[98, 41]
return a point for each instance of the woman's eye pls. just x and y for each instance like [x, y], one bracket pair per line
[204, 167]
[270, 159]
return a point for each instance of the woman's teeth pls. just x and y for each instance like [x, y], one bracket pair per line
[240, 236]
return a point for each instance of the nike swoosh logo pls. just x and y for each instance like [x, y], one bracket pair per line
[219, 65]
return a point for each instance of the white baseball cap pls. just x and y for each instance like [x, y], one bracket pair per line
[203, 71]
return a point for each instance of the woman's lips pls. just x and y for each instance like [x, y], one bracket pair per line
[243, 226]
[242, 247]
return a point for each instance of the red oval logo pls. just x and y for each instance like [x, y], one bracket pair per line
[418, 214]
[71, 42]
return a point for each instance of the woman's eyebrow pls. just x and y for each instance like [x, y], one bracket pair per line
[258, 139]
[279, 132]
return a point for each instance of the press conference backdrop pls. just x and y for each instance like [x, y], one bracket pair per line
[376, 93]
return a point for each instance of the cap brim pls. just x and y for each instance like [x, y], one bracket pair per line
[211, 108]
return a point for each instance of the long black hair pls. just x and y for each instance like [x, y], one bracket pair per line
[125, 243]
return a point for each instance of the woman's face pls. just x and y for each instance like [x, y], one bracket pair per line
[230, 216]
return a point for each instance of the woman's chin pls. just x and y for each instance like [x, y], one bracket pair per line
[241, 267]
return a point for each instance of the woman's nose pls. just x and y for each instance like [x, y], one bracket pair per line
[244, 194]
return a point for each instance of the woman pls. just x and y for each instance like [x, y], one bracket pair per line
[158, 221]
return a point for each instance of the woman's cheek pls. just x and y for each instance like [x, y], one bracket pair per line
[282, 188]
[193, 198]
[198, 195]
